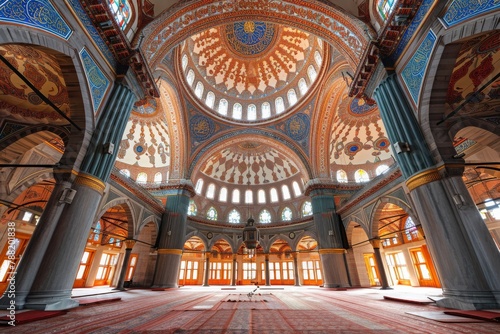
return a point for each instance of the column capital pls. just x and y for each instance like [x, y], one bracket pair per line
[424, 177]
[129, 243]
[375, 242]
[91, 182]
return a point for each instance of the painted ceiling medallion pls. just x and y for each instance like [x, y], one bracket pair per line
[249, 38]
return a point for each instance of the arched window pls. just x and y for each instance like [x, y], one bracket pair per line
[223, 194]
[142, 178]
[248, 196]
[266, 110]
[286, 214]
[285, 191]
[320, 42]
[121, 11]
[296, 189]
[223, 105]
[235, 198]
[237, 111]
[292, 97]
[280, 105]
[317, 57]
[158, 178]
[199, 186]
[190, 77]
[97, 232]
[198, 91]
[252, 112]
[311, 73]
[210, 191]
[341, 176]
[261, 196]
[274, 195]
[302, 86]
[212, 214]
[381, 169]
[234, 217]
[184, 61]
[210, 101]
[264, 217]
[125, 172]
[385, 8]
[306, 209]
[361, 176]
[411, 229]
[192, 209]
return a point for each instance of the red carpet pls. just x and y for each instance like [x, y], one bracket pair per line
[416, 300]
[29, 316]
[88, 301]
[483, 315]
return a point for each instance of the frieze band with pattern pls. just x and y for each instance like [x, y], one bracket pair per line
[90, 182]
[170, 251]
[333, 251]
[420, 179]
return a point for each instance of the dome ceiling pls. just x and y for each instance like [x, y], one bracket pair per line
[249, 163]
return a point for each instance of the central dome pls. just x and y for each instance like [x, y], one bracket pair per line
[251, 70]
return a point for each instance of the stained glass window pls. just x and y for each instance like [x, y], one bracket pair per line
[341, 176]
[286, 214]
[385, 8]
[192, 209]
[121, 11]
[410, 229]
[264, 217]
[212, 213]
[306, 209]
[234, 217]
[361, 176]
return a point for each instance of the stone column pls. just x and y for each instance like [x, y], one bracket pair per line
[129, 244]
[51, 288]
[295, 256]
[206, 274]
[330, 244]
[266, 268]
[465, 255]
[233, 271]
[172, 236]
[380, 264]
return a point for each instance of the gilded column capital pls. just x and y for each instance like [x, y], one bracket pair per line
[90, 181]
[427, 176]
[129, 244]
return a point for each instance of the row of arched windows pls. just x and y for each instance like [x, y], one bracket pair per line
[262, 195]
[142, 177]
[265, 216]
[360, 175]
[251, 112]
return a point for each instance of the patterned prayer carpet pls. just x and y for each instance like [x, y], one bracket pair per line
[304, 310]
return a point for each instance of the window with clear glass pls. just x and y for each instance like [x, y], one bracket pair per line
[361, 176]
[237, 111]
[292, 97]
[210, 191]
[190, 77]
[252, 112]
[223, 105]
[199, 186]
[158, 178]
[248, 196]
[192, 209]
[302, 86]
[411, 229]
[125, 172]
[266, 110]
[381, 169]
[235, 198]
[341, 176]
[311, 73]
[280, 105]
[184, 61]
[285, 191]
[296, 189]
[121, 11]
[264, 217]
[210, 101]
[212, 213]
[306, 209]
[198, 91]
[223, 194]
[234, 217]
[317, 58]
[261, 196]
[274, 195]
[286, 214]
[142, 178]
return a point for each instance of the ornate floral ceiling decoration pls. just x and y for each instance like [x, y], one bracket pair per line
[43, 71]
[358, 135]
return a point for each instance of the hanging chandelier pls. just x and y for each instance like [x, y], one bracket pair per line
[250, 237]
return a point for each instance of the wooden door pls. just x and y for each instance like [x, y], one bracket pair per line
[424, 267]
[83, 269]
[10, 256]
[371, 268]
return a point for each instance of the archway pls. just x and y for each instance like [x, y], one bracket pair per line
[308, 261]
[192, 262]
[281, 265]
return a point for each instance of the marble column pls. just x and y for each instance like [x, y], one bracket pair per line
[233, 271]
[266, 268]
[330, 243]
[206, 273]
[380, 264]
[129, 244]
[466, 258]
[296, 276]
[172, 236]
[51, 288]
